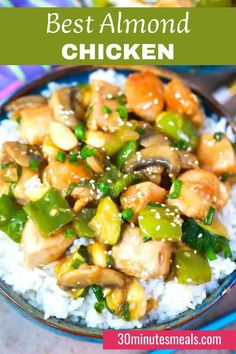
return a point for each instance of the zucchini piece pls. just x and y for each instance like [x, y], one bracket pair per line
[76, 293]
[74, 261]
[98, 254]
[191, 267]
[115, 300]
[80, 224]
[208, 239]
[160, 222]
[107, 222]
[136, 299]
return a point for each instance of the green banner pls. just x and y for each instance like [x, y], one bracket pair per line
[114, 35]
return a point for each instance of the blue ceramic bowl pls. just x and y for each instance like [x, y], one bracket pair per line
[67, 75]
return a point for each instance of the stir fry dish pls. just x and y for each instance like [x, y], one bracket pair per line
[128, 170]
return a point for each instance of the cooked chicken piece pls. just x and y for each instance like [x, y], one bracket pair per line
[104, 107]
[180, 99]
[200, 190]
[137, 196]
[87, 275]
[216, 155]
[34, 124]
[39, 251]
[144, 92]
[20, 188]
[61, 175]
[145, 260]
[65, 103]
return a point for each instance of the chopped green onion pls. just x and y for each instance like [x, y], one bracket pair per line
[18, 120]
[69, 233]
[120, 98]
[177, 184]
[4, 165]
[87, 152]
[34, 164]
[73, 158]
[106, 110]
[127, 214]
[141, 131]
[146, 238]
[97, 290]
[84, 252]
[226, 175]
[103, 187]
[110, 261]
[79, 131]
[210, 215]
[155, 205]
[123, 111]
[218, 136]
[61, 156]
[181, 145]
[227, 251]
[125, 313]
[99, 306]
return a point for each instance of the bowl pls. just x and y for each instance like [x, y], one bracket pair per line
[80, 74]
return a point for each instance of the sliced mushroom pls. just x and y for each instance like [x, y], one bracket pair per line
[21, 153]
[65, 103]
[153, 173]
[188, 160]
[154, 139]
[88, 275]
[25, 102]
[162, 155]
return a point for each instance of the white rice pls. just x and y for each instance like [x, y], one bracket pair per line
[39, 288]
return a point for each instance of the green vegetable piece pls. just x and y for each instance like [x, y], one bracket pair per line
[80, 132]
[83, 251]
[177, 184]
[99, 306]
[73, 158]
[218, 136]
[210, 215]
[191, 267]
[178, 128]
[98, 292]
[4, 165]
[76, 293]
[103, 187]
[116, 181]
[34, 164]
[76, 263]
[125, 153]
[106, 110]
[125, 312]
[50, 212]
[122, 111]
[69, 233]
[86, 152]
[61, 156]
[160, 222]
[208, 239]
[12, 218]
[127, 214]
[225, 176]
[81, 223]
[110, 261]
[107, 222]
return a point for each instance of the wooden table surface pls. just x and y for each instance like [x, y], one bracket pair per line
[18, 335]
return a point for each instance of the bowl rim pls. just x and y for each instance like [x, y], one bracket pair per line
[88, 333]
